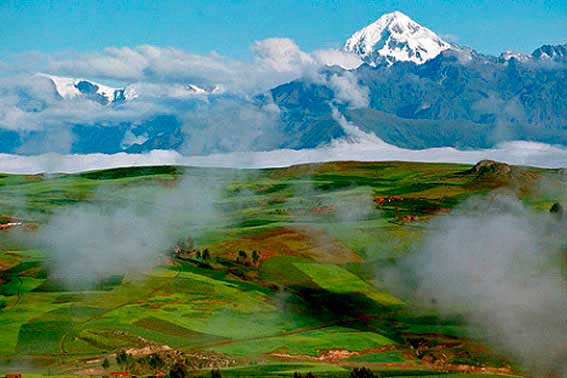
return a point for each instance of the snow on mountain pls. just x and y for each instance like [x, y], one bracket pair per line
[68, 88]
[509, 54]
[216, 89]
[556, 53]
[395, 37]
[195, 89]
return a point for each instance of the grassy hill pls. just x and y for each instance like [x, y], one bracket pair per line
[311, 298]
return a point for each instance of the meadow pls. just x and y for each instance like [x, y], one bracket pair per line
[294, 281]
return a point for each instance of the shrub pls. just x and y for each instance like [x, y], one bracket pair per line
[362, 373]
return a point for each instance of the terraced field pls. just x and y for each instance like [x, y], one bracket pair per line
[313, 299]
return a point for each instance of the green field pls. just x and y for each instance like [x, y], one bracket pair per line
[314, 300]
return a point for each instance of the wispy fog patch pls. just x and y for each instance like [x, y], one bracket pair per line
[126, 231]
[497, 262]
[229, 125]
[348, 90]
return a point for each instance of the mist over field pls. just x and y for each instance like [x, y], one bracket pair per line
[287, 189]
[498, 263]
[126, 232]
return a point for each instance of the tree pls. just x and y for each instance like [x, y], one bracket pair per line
[255, 257]
[155, 361]
[556, 210]
[206, 255]
[215, 373]
[307, 375]
[105, 364]
[242, 256]
[122, 358]
[362, 373]
[177, 371]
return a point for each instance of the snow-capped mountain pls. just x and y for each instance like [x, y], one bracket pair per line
[422, 92]
[395, 37]
[67, 88]
[557, 53]
[194, 89]
[509, 54]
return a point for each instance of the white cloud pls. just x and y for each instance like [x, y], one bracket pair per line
[145, 63]
[367, 148]
[281, 55]
[333, 57]
[276, 60]
[30, 102]
[158, 75]
[348, 90]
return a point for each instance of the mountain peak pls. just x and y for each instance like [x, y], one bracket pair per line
[556, 53]
[67, 88]
[395, 37]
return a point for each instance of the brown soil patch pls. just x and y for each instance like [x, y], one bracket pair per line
[91, 371]
[147, 350]
[307, 242]
[332, 356]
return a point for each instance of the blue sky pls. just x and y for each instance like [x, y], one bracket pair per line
[230, 27]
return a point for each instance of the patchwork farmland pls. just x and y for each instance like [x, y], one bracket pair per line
[294, 278]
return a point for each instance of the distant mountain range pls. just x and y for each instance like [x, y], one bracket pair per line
[425, 92]
[68, 88]
[422, 92]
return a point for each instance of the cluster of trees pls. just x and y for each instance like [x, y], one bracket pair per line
[306, 375]
[243, 258]
[205, 255]
[363, 373]
[355, 373]
[127, 362]
[122, 359]
[155, 362]
[178, 370]
[187, 246]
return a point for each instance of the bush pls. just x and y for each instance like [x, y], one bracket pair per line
[122, 358]
[307, 375]
[177, 371]
[362, 373]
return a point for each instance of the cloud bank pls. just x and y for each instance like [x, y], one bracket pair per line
[213, 97]
[518, 153]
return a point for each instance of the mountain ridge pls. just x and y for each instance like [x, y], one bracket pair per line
[453, 96]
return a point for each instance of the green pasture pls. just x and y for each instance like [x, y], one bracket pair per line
[322, 239]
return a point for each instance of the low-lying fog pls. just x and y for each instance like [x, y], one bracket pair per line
[518, 153]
